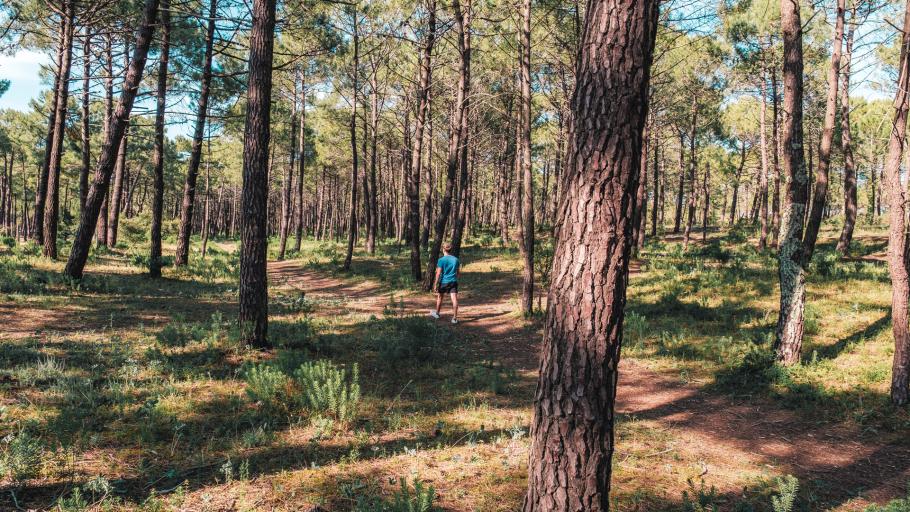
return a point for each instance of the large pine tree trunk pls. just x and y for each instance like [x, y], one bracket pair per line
[846, 235]
[192, 173]
[572, 430]
[458, 113]
[527, 200]
[158, 156]
[52, 202]
[254, 299]
[101, 180]
[897, 237]
[795, 250]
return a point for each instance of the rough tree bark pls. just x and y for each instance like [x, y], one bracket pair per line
[101, 180]
[192, 173]
[897, 236]
[254, 305]
[158, 156]
[287, 200]
[41, 189]
[795, 250]
[572, 430]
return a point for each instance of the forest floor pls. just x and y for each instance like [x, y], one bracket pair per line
[128, 393]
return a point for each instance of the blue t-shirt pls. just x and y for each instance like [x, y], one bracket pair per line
[449, 266]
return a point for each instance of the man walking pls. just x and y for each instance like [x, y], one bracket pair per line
[446, 281]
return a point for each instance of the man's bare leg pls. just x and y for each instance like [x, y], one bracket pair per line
[454, 296]
[438, 303]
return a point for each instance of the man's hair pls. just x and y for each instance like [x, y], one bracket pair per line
[447, 247]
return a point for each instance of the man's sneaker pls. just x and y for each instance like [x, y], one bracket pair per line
[434, 314]
[454, 320]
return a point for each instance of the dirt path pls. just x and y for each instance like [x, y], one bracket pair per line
[734, 443]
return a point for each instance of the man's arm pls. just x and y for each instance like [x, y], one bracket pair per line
[436, 280]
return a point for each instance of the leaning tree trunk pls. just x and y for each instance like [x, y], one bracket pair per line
[795, 250]
[254, 300]
[116, 198]
[464, 193]
[101, 231]
[897, 238]
[527, 202]
[458, 113]
[846, 235]
[158, 156]
[352, 216]
[192, 173]
[117, 126]
[572, 430]
[52, 203]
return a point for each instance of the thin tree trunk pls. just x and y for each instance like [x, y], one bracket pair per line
[572, 430]
[287, 201]
[846, 236]
[158, 157]
[192, 173]
[693, 167]
[118, 122]
[527, 202]
[254, 307]
[641, 199]
[677, 220]
[763, 177]
[657, 186]
[352, 223]
[52, 202]
[43, 175]
[86, 113]
[458, 113]
[301, 163]
[775, 144]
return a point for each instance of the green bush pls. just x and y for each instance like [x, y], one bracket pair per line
[268, 386]
[699, 499]
[327, 389]
[787, 487]
[405, 499]
[21, 456]
[898, 505]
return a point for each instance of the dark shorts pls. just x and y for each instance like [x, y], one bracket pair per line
[448, 287]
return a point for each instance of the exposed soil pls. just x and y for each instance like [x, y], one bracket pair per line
[729, 437]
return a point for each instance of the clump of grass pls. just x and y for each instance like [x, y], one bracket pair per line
[700, 498]
[491, 377]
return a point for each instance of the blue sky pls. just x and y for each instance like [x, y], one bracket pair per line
[23, 70]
